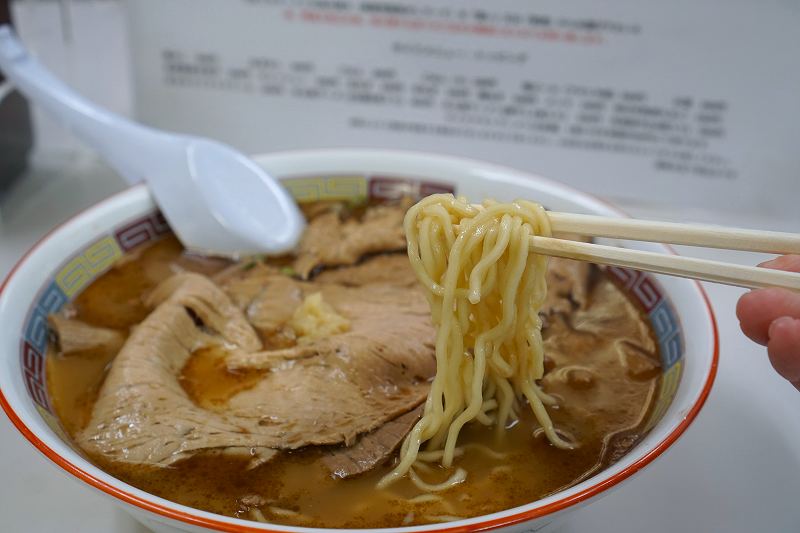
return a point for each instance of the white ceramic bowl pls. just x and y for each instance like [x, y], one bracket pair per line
[71, 256]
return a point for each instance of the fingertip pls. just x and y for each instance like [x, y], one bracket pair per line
[750, 315]
[784, 347]
[757, 310]
[790, 263]
[782, 326]
[742, 305]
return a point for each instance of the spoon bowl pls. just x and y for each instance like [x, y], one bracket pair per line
[224, 203]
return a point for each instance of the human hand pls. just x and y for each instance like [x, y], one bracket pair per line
[771, 317]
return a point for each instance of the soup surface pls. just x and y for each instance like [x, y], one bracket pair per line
[601, 364]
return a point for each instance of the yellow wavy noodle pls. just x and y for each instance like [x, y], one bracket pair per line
[485, 290]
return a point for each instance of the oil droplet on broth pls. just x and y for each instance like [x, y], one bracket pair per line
[208, 382]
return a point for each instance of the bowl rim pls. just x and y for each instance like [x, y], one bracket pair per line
[479, 525]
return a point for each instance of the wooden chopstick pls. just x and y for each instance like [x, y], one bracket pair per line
[675, 265]
[708, 236]
[772, 242]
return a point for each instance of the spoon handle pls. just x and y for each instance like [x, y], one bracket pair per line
[117, 139]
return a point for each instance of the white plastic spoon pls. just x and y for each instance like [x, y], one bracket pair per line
[216, 199]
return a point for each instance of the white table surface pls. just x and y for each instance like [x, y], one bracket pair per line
[736, 470]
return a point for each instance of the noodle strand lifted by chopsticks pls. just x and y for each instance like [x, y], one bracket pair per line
[485, 290]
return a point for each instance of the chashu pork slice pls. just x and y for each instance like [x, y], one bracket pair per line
[269, 298]
[338, 388]
[330, 241]
[372, 449]
[73, 336]
[342, 385]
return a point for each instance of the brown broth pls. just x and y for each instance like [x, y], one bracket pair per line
[114, 300]
[604, 400]
[298, 482]
[74, 383]
[209, 383]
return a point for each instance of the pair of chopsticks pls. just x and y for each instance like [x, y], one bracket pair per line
[672, 233]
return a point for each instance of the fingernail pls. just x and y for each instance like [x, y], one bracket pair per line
[775, 323]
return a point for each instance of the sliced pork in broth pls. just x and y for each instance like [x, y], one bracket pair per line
[321, 391]
[330, 240]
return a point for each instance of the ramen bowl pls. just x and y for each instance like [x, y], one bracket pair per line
[70, 257]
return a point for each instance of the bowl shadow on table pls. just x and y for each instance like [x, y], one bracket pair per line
[125, 523]
[694, 487]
